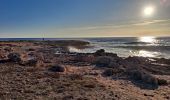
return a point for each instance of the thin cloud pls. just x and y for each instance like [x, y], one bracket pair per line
[151, 22]
[121, 25]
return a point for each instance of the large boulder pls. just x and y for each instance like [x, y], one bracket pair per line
[14, 57]
[56, 68]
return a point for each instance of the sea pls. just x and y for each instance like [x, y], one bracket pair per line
[158, 47]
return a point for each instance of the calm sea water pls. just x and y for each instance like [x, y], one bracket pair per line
[123, 46]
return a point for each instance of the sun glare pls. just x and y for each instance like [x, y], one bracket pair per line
[147, 39]
[144, 53]
[148, 11]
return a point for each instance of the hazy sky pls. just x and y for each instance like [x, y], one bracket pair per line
[83, 18]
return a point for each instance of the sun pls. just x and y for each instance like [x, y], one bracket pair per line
[148, 11]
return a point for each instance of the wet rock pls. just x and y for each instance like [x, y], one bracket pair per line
[56, 68]
[99, 52]
[14, 57]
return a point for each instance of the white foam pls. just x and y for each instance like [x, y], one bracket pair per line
[73, 49]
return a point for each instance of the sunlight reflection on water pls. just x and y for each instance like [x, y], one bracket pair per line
[144, 53]
[147, 39]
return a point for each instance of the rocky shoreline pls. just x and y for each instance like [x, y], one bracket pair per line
[33, 70]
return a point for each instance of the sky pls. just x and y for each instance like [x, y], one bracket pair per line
[83, 18]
